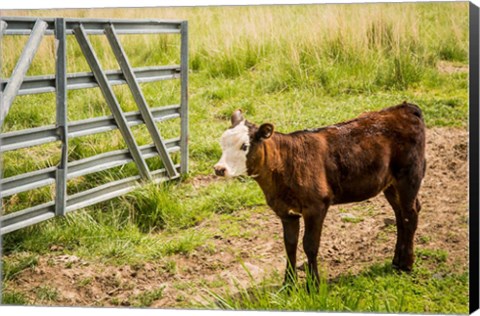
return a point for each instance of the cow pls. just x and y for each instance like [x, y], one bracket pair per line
[302, 173]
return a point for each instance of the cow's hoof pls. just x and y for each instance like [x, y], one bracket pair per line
[313, 286]
[402, 267]
[289, 281]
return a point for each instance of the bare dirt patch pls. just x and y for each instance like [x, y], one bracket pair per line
[449, 67]
[355, 236]
[203, 180]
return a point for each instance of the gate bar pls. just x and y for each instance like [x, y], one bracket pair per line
[62, 132]
[184, 98]
[47, 134]
[111, 101]
[21, 68]
[39, 178]
[82, 80]
[23, 26]
[139, 99]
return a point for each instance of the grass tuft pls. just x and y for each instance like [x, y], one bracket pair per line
[147, 298]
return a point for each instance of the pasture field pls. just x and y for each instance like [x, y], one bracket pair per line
[205, 242]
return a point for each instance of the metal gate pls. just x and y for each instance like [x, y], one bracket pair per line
[19, 84]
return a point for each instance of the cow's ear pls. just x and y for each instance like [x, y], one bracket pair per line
[265, 131]
[237, 117]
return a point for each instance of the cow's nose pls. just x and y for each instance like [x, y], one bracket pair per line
[219, 171]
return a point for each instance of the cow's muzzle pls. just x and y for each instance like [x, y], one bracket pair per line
[220, 171]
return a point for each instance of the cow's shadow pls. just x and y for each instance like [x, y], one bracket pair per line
[249, 296]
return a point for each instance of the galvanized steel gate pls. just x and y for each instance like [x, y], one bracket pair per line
[59, 83]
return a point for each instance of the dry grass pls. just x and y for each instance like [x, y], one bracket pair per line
[226, 31]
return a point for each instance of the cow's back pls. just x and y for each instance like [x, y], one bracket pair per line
[367, 154]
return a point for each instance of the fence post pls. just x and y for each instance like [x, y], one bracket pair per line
[3, 27]
[184, 98]
[61, 100]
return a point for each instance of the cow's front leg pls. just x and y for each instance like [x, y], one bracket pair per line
[291, 227]
[311, 240]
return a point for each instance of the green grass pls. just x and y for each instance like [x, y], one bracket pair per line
[46, 293]
[294, 66]
[146, 298]
[13, 298]
[12, 268]
[376, 289]
[121, 234]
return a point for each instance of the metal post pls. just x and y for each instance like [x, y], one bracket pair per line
[21, 68]
[61, 89]
[3, 27]
[140, 99]
[473, 155]
[111, 101]
[184, 98]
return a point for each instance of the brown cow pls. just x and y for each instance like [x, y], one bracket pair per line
[304, 172]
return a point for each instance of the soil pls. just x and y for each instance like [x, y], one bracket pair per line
[449, 67]
[355, 236]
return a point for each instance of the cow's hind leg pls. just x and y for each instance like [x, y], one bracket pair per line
[402, 196]
[393, 199]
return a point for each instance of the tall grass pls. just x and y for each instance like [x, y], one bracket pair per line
[226, 41]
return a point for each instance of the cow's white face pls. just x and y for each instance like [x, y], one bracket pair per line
[235, 143]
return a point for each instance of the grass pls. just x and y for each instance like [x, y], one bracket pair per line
[172, 211]
[46, 293]
[377, 289]
[13, 298]
[297, 67]
[12, 269]
[146, 298]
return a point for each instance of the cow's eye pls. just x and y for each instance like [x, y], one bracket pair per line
[244, 147]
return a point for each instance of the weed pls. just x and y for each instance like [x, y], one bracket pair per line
[147, 298]
[353, 220]
[424, 239]
[182, 285]
[14, 298]
[180, 298]
[84, 282]
[170, 267]
[390, 229]
[183, 245]
[69, 265]
[12, 269]
[46, 293]
[428, 254]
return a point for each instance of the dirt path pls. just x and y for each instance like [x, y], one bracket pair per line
[355, 236]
